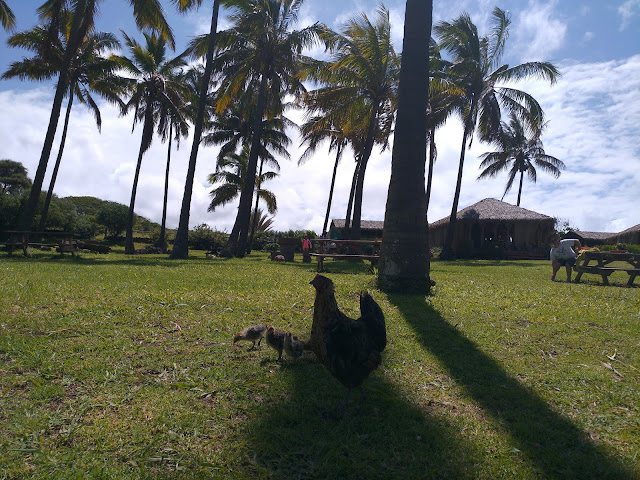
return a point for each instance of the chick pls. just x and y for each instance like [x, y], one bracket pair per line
[292, 346]
[275, 339]
[251, 334]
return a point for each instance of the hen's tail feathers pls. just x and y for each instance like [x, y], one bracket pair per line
[372, 314]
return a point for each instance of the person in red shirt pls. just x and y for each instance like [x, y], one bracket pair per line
[306, 244]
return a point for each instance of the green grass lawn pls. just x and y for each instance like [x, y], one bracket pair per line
[124, 367]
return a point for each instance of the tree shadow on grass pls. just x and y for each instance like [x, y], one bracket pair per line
[386, 436]
[556, 446]
[82, 259]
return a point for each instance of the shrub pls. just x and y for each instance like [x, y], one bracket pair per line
[272, 247]
[155, 239]
[620, 246]
[203, 237]
[85, 227]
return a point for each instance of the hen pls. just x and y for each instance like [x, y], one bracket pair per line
[349, 348]
[251, 334]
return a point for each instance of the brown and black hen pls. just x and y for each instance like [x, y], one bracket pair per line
[349, 348]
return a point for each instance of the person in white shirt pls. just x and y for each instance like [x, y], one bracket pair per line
[563, 254]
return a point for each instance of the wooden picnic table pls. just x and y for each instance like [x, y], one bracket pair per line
[345, 250]
[64, 241]
[599, 263]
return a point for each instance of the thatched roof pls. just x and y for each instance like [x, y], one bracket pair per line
[591, 235]
[364, 224]
[492, 209]
[635, 228]
[630, 235]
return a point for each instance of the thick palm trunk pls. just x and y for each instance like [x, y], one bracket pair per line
[161, 240]
[520, 188]
[368, 148]
[432, 159]
[79, 27]
[181, 242]
[147, 133]
[240, 231]
[404, 262]
[333, 183]
[54, 175]
[255, 211]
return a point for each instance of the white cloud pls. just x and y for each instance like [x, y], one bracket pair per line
[539, 32]
[628, 10]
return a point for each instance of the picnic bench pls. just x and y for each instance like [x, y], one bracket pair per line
[63, 241]
[346, 250]
[599, 263]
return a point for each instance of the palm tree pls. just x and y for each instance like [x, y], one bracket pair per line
[262, 221]
[89, 72]
[441, 106]
[314, 132]
[231, 175]
[147, 14]
[7, 18]
[477, 70]
[158, 91]
[260, 53]
[181, 241]
[362, 71]
[519, 154]
[234, 127]
[172, 122]
[404, 256]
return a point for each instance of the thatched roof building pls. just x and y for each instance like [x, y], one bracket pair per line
[590, 239]
[369, 229]
[493, 229]
[630, 235]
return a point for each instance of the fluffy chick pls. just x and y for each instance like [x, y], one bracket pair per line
[251, 334]
[275, 339]
[292, 346]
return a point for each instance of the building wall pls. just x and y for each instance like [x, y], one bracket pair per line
[474, 237]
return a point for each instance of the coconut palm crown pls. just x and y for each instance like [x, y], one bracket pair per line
[518, 153]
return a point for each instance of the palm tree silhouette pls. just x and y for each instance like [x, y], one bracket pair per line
[7, 18]
[173, 125]
[315, 131]
[231, 176]
[181, 241]
[156, 88]
[361, 79]
[260, 53]
[89, 72]
[147, 14]
[476, 70]
[519, 154]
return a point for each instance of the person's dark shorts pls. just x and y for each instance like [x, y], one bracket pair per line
[566, 261]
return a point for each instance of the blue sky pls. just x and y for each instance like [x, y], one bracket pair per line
[593, 113]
